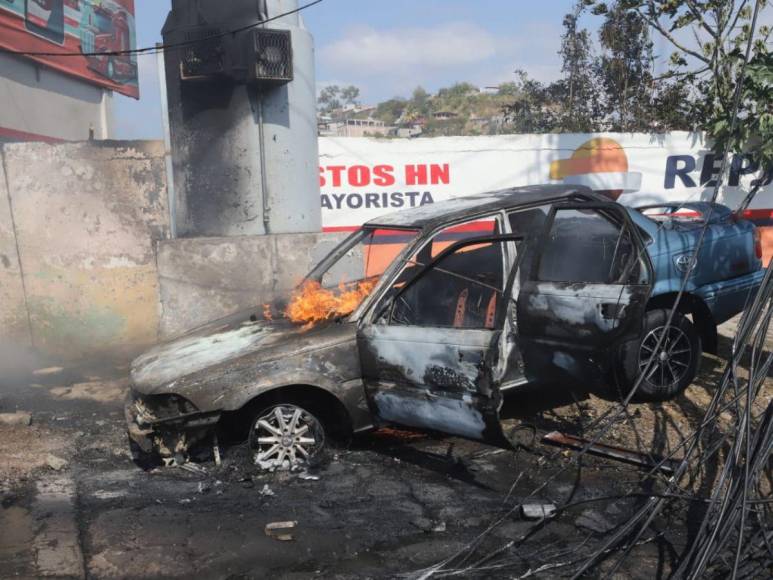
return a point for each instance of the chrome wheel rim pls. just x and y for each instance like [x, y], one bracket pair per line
[672, 360]
[286, 436]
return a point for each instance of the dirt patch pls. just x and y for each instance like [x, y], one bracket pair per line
[99, 391]
[667, 429]
[26, 449]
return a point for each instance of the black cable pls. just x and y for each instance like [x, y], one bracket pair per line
[162, 47]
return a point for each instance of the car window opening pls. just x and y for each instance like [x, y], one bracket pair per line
[586, 247]
[462, 290]
[339, 288]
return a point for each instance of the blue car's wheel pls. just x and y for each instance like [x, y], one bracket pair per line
[667, 357]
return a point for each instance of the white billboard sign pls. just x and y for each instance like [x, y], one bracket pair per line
[363, 178]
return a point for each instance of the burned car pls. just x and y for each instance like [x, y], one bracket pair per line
[425, 318]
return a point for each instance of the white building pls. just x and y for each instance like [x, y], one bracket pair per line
[39, 103]
[61, 61]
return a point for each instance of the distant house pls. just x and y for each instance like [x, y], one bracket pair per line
[361, 128]
[408, 132]
[327, 126]
[444, 115]
[479, 122]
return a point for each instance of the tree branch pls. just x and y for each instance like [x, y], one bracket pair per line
[737, 15]
[701, 20]
[671, 75]
[651, 18]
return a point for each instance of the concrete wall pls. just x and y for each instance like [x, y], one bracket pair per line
[86, 218]
[86, 266]
[13, 311]
[39, 101]
[202, 279]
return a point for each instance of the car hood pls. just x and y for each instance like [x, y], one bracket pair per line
[218, 342]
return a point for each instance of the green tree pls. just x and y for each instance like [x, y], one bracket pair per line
[458, 90]
[390, 111]
[709, 38]
[624, 69]
[535, 108]
[579, 86]
[671, 107]
[420, 102]
[507, 89]
[329, 99]
[350, 95]
[333, 98]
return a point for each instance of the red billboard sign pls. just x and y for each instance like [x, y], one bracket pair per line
[54, 28]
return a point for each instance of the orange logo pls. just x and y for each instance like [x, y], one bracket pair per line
[600, 164]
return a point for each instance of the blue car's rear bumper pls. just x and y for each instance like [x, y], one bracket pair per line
[727, 298]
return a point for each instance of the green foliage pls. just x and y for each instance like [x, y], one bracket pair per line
[507, 89]
[471, 110]
[390, 111]
[616, 90]
[624, 70]
[420, 102]
[754, 130]
[535, 108]
[333, 97]
[350, 95]
[578, 90]
[328, 100]
[709, 38]
[612, 86]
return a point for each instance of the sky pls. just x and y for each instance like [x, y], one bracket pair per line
[388, 47]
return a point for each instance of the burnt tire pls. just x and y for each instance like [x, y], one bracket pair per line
[675, 364]
[287, 436]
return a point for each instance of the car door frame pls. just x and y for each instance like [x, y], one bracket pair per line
[631, 304]
[468, 413]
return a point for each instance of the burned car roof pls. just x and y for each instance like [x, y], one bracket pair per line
[429, 216]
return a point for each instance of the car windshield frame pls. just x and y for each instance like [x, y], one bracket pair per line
[350, 242]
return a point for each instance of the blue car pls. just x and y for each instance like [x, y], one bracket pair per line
[727, 273]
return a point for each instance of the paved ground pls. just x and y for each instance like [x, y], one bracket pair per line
[391, 503]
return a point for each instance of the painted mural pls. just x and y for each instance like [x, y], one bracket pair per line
[88, 39]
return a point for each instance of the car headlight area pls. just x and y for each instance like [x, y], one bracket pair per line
[166, 425]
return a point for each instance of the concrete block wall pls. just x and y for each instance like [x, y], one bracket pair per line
[84, 218]
[87, 269]
[13, 309]
[202, 279]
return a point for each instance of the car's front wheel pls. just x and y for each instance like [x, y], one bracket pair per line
[668, 357]
[286, 436]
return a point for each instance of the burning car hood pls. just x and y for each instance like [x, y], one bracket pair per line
[223, 340]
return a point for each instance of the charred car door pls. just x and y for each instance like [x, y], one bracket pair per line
[582, 295]
[427, 355]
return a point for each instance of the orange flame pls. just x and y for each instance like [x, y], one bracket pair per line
[267, 312]
[310, 303]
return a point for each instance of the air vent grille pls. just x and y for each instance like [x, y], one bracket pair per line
[274, 55]
[205, 56]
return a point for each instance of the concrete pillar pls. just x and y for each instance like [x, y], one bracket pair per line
[245, 158]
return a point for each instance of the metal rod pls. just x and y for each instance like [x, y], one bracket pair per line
[170, 190]
[610, 451]
[264, 191]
